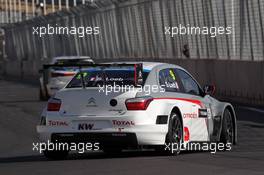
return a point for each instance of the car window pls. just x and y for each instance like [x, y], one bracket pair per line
[189, 84]
[169, 80]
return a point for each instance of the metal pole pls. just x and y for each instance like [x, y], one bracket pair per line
[45, 7]
[53, 6]
[2, 12]
[20, 10]
[6, 10]
[59, 4]
[234, 29]
[74, 3]
[67, 4]
[15, 12]
[10, 12]
[33, 8]
[26, 4]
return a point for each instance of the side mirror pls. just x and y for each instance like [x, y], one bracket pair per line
[209, 89]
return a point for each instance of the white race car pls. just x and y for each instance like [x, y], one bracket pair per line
[56, 78]
[127, 105]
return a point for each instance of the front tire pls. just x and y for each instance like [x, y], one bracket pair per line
[42, 93]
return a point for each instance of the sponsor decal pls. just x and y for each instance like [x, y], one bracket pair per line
[57, 123]
[172, 75]
[190, 115]
[186, 134]
[85, 126]
[96, 78]
[79, 76]
[114, 79]
[122, 123]
[172, 85]
[202, 113]
[138, 75]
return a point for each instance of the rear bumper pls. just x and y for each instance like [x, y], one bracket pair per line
[139, 135]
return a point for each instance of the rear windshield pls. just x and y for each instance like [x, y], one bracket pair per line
[94, 77]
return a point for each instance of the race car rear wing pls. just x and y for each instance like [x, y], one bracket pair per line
[138, 70]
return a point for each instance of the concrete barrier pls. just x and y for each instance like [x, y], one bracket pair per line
[236, 81]
[13, 68]
[1, 68]
[27, 71]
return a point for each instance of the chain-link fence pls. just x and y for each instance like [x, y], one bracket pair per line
[136, 29]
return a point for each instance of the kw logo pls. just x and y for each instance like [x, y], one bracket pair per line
[85, 126]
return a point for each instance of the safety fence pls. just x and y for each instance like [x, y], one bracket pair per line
[137, 29]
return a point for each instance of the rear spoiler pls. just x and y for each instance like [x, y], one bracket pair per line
[138, 70]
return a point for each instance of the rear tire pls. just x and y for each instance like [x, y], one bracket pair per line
[175, 134]
[174, 137]
[42, 95]
[56, 155]
[227, 133]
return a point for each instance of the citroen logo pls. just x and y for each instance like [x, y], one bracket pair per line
[91, 102]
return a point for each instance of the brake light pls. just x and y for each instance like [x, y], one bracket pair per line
[54, 104]
[141, 103]
[62, 74]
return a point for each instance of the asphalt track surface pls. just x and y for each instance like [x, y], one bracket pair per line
[19, 113]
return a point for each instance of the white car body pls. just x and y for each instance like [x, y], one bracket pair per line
[57, 79]
[87, 111]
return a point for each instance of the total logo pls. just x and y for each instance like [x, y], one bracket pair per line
[123, 123]
[57, 123]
